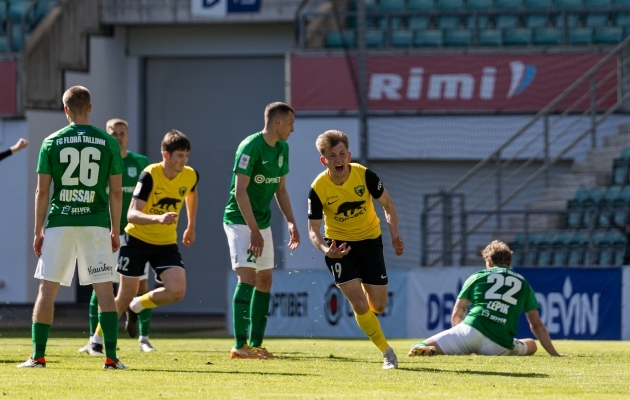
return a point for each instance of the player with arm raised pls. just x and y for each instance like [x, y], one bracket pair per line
[19, 145]
[496, 297]
[342, 196]
[82, 161]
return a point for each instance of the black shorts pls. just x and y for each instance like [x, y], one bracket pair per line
[364, 261]
[135, 254]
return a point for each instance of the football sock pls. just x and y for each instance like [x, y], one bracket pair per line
[39, 334]
[93, 313]
[144, 321]
[98, 332]
[372, 328]
[418, 344]
[109, 323]
[241, 303]
[142, 302]
[258, 312]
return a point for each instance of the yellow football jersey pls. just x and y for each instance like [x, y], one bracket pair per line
[162, 195]
[348, 209]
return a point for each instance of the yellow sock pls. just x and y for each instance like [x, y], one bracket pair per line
[98, 330]
[146, 302]
[372, 328]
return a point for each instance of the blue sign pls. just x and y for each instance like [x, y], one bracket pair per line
[576, 303]
[239, 6]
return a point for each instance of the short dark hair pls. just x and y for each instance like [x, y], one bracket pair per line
[498, 253]
[330, 139]
[175, 140]
[277, 109]
[77, 99]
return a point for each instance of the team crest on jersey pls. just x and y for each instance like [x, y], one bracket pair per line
[359, 190]
[281, 160]
[182, 191]
[132, 172]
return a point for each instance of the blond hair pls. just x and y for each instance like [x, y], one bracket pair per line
[77, 99]
[498, 253]
[330, 139]
[109, 126]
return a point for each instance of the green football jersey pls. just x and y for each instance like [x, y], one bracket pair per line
[133, 165]
[265, 165]
[80, 159]
[497, 295]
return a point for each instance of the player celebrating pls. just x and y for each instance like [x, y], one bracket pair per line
[260, 168]
[496, 297]
[133, 165]
[353, 247]
[82, 161]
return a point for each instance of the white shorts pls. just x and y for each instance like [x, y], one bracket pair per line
[89, 247]
[464, 339]
[147, 267]
[239, 237]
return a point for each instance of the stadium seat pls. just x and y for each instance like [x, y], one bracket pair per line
[428, 38]
[620, 172]
[458, 37]
[402, 38]
[17, 8]
[625, 154]
[483, 21]
[568, 3]
[374, 38]
[598, 3]
[560, 245]
[3, 10]
[592, 20]
[422, 22]
[548, 36]
[334, 39]
[572, 20]
[490, 37]
[577, 246]
[480, 4]
[622, 3]
[4, 44]
[420, 5]
[506, 21]
[450, 4]
[536, 20]
[603, 251]
[508, 4]
[580, 35]
[517, 36]
[608, 34]
[392, 5]
[448, 21]
[622, 19]
[538, 4]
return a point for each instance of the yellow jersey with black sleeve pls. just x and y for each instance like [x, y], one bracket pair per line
[161, 195]
[348, 209]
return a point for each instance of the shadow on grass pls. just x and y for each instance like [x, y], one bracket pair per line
[474, 372]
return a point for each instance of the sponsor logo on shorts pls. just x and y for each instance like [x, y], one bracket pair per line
[101, 269]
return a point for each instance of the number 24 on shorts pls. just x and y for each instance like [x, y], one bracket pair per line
[250, 257]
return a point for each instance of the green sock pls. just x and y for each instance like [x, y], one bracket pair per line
[109, 325]
[39, 334]
[258, 311]
[93, 313]
[240, 313]
[144, 321]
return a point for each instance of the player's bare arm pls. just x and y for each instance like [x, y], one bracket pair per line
[540, 331]
[19, 145]
[332, 251]
[115, 209]
[459, 311]
[256, 242]
[391, 215]
[42, 197]
[136, 216]
[284, 203]
[192, 201]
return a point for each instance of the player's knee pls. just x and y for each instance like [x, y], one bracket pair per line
[177, 293]
[531, 346]
[378, 308]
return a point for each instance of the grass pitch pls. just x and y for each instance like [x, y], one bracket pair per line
[194, 367]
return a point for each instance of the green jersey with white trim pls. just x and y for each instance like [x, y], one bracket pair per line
[497, 295]
[133, 165]
[265, 165]
[80, 159]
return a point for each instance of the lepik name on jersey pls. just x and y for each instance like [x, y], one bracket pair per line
[80, 139]
[77, 195]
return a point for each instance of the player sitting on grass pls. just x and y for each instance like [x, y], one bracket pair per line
[496, 297]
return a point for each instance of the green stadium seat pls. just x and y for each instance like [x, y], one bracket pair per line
[458, 37]
[490, 37]
[625, 154]
[608, 34]
[3, 10]
[480, 4]
[622, 19]
[17, 8]
[538, 3]
[580, 35]
[428, 38]
[448, 21]
[598, 3]
[370, 5]
[374, 38]
[337, 39]
[422, 22]
[548, 36]
[4, 44]
[506, 21]
[568, 3]
[483, 21]
[450, 4]
[592, 20]
[402, 38]
[572, 20]
[392, 5]
[620, 172]
[420, 5]
[536, 20]
[508, 4]
[517, 36]
[395, 23]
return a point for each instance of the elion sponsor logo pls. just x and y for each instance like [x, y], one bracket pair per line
[445, 86]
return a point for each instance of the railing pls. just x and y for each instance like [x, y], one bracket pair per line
[544, 140]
